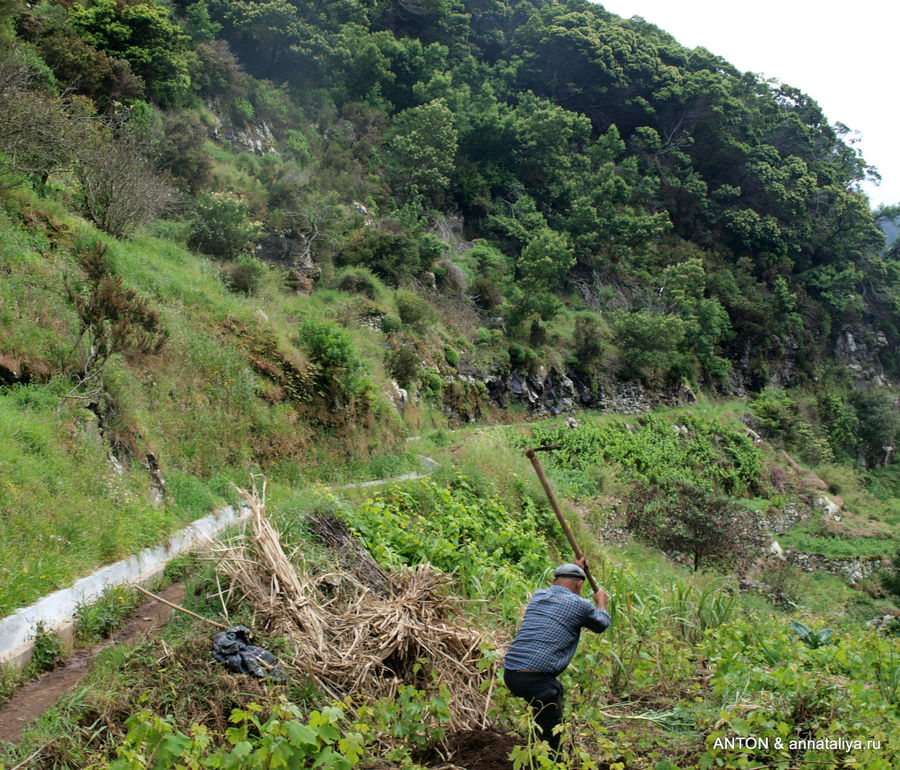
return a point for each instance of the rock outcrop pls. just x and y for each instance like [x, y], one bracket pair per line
[551, 392]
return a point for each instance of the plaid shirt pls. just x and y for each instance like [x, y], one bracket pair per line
[549, 633]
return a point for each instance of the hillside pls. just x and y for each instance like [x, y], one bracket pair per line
[316, 241]
[691, 660]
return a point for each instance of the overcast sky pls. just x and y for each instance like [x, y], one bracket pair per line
[843, 55]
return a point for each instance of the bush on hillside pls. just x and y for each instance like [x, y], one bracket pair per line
[120, 190]
[403, 364]
[339, 371]
[650, 348]
[243, 276]
[683, 519]
[359, 280]
[112, 318]
[879, 424]
[413, 309]
[222, 226]
[391, 256]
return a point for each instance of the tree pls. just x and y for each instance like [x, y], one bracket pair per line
[113, 319]
[878, 424]
[39, 132]
[143, 34]
[222, 226]
[650, 347]
[680, 518]
[544, 262]
[422, 150]
[120, 189]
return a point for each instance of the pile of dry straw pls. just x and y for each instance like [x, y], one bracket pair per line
[360, 630]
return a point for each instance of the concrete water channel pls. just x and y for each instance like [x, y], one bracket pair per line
[56, 612]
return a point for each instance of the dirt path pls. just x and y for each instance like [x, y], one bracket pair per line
[34, 698]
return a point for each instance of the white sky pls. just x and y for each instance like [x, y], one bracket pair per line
[843, 55]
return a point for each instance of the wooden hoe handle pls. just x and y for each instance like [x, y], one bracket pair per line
[531, 454]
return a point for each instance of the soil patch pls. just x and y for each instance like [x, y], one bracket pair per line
[481, 749]
[34, 698]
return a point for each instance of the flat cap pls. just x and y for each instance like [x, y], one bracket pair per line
[569, 571]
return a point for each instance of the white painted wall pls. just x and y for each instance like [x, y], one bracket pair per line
[57, 610]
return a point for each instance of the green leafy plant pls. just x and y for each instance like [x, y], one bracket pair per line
[680, 518]
[244, 275]
[338, 376]
[282, 740]
[403, 364]
[812, 639]
[112, 319]
[96, 621]
[47, 652]
[222, 226]
[705, 453]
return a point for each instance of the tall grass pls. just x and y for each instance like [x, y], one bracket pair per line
[65, 508]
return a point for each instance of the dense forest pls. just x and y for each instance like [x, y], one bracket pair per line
[703, 225]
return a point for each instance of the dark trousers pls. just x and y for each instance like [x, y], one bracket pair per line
[544, 693]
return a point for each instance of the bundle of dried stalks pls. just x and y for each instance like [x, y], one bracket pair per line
[350, 552]
[357, 642]
[268, 579]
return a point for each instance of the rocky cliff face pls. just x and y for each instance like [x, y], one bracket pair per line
[550, 392]
[862, 349]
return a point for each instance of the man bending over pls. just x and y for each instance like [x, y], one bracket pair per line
[546, 642]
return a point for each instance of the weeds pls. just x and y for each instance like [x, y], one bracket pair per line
[10, 679]
[95, 622]
[47, 652]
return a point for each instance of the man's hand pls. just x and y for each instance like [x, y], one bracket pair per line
[600, 597]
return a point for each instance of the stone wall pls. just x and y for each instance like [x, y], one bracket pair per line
[855, 569]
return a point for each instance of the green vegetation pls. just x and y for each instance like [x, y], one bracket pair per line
[43, 544]
[651, 449]
[687, 653]
[229, 230]
[96, 621]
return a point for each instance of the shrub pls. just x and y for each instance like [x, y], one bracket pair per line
[297, 146]
[650, 347]
[391, 323]
[486, 294]
[242, 110]
[113, 318]
[879, 423]
[47, 652]
[359, 280]
[403, 364]
[841, 424]
[681, 518]
[37, 132]
[430, 383]
[775, 412]
[181, 150]
[120, 191]
[451, 356]
[244, 275]
[589, 334]
[222, 226]
[413, 309]
[522, 359]
[391, 256]
[338, 376]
